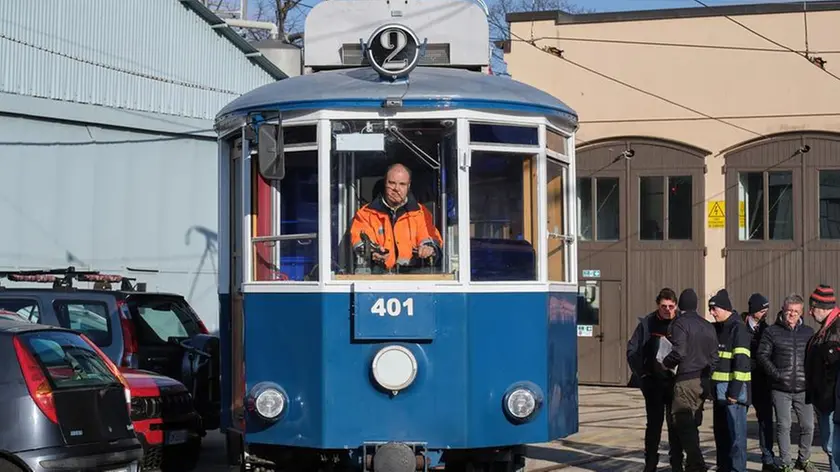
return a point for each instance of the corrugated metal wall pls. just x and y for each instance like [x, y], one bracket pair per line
[128, 200]
[148, 55]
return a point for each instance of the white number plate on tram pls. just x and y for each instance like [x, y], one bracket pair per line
[393, 307]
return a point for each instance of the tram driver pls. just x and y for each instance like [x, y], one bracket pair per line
[394, 231]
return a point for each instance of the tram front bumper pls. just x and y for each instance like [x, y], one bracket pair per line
[393, 457]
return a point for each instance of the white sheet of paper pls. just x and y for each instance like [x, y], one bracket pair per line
[665, 348]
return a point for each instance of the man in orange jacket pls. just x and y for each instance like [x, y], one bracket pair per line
[400, 229]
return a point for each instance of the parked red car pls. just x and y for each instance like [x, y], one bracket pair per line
[165, 421]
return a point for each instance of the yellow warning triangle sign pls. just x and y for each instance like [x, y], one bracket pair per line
[716, 211]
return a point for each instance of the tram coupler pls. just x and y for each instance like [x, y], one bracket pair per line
[395, 457]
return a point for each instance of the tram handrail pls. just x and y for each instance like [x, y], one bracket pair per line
[284, 237]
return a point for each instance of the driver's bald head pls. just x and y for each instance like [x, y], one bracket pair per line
[395, 170]
[397, 183]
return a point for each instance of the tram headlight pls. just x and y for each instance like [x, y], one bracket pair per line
[268, 400]
[522, 402]
[394, 368]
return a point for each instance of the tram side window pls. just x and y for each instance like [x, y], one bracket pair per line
[503, 224]
[394, 199]
[285, 213]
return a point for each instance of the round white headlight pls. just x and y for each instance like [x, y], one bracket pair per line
[394, 368]
[270, 403]
[521, 403]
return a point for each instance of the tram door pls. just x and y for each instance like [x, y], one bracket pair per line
[601, 347]
[237, 318]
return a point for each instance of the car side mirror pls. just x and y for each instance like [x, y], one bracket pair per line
[272, 162]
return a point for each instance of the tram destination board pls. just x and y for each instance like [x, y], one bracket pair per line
[393, 51]
[394, 316]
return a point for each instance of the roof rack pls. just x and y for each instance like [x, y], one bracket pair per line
[63, 278]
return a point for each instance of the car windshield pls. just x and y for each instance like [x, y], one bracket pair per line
[69, 361]
[162, 318]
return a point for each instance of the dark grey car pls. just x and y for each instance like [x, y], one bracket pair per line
[63, 405]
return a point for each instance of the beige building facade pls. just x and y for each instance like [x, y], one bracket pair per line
[708, 154]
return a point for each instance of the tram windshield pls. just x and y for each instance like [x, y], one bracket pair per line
[394, 198]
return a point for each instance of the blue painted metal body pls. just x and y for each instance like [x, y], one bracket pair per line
[471, 347]
[474, 346]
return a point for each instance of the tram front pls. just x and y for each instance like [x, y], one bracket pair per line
[399, 283]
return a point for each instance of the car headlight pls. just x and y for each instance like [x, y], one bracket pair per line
[394, 368]
[522, 401]
[268, 400]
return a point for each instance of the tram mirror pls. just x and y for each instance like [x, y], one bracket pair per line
[272, 162]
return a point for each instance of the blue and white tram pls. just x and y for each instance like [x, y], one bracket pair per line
[458, 361]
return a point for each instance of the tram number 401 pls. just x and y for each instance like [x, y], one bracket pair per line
[393, 306]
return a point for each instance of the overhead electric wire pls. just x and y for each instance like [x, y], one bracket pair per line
[556, 53]
[805, 56]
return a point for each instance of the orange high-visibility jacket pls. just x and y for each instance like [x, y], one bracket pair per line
[399, 231]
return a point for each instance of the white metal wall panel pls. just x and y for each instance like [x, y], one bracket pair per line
[148, 55]
[128, 200]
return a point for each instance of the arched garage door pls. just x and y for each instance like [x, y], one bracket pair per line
[641, 228]
[785, 237]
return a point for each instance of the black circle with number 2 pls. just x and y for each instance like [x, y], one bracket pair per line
[393, 51]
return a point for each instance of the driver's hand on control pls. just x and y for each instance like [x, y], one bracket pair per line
[425, 251]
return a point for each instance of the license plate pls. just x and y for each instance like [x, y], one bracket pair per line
[176, 437]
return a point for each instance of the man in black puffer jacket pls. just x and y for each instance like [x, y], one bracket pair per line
[781, 353]
[757, 321]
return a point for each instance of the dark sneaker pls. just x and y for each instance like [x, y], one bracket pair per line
[769, 468]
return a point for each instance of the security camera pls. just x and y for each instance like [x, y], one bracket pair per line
[448, 123]
[628, 154]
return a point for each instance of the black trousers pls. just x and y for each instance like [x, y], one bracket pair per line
[659, 394]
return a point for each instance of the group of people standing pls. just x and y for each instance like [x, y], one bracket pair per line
[778, 365]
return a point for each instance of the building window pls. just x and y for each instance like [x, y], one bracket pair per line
[598, 208]
[829, 204]
[765, 199]
[654, 206]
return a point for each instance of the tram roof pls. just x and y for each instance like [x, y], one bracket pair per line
[427, 88]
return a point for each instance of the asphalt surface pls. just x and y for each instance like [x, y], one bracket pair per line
[213, 454]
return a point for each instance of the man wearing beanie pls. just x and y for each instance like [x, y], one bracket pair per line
[755, 319]
[694, 355]
[730, 384]
[657, 384]
[821, 363]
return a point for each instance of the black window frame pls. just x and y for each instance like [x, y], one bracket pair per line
[81, 301]
[666, 207]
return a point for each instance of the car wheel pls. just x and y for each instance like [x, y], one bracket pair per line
[6, 466]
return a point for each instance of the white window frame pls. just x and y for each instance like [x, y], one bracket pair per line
[326, 284]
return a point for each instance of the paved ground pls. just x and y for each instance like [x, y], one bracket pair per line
[612, 428]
